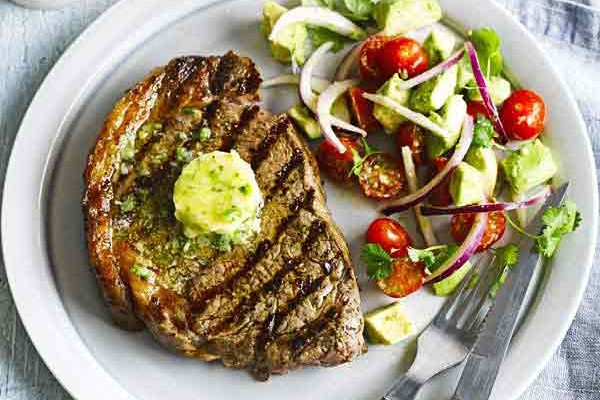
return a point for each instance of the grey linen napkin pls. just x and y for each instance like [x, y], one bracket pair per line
[570, 32]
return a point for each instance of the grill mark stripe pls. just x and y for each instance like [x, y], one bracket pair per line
[275, 320]
[265, 145]
[251, 300]
[222, 74]
[300, 203]
[183, 74]
[283, 174]
[261, 370]
[300, 342]
[178, 74]
[248, 115]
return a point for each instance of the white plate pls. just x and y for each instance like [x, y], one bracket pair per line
[44, 250]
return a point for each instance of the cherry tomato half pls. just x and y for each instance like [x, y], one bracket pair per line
[496, 225]
[474, 108]
[440, 196]
[381, 176]
[404, 56]
[362, 110]
[413, 136]
[390, 235]
[334, 164]
[369, 59]
[523, 115]
[407, 277]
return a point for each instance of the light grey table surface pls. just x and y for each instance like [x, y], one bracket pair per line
[31, 42]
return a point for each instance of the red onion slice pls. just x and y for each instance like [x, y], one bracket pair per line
[413, 185]
[319, 16]
[435, 71]
[459, 154]
[489, 207]
[324, 104]
[306, 91]
[485, 94]
[464, 252]
[407, 113]
[310, 99]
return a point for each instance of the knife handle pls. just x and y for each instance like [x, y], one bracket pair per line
[481, 374]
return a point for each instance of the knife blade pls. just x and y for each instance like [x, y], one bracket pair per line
[480, 372]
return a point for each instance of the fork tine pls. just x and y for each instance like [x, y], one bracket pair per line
[477, 295]
[453, 300]
[477, 318]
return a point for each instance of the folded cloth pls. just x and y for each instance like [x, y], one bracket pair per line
[570, 32]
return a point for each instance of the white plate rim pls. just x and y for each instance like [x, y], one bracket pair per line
[58, 347]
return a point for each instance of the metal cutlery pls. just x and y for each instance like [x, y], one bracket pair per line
[450, 337]
[483, 365]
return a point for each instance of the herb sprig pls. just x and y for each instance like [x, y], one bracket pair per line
[557, 222]
[378, 261]
[358, 159]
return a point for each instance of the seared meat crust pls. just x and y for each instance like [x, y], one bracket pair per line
[287, 299]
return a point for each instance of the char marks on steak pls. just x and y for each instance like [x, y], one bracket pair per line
[287, 299]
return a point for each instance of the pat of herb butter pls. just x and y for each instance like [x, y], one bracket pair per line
[217, 194]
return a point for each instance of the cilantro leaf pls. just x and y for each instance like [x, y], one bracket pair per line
[558, 221]
[378, 261]
[500, 281]
[483, 132]
[425, 256]
[443, 256]
[432, 260]
[359, 160]
[509, 254]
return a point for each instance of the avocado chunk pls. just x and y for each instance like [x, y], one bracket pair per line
[438, 45]
[288, 44]
[302, 118]
[529, 166]
[465, 73]
[388, 325]
[467, 185]
[340, 109]
[452, 117]
[447, 286]
[431, 95]
[484, 160]
[396, 17]
[499, 89]
[389, 119]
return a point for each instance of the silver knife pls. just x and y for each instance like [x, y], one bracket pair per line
[481, 369]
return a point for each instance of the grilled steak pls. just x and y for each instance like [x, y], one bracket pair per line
[287, 299]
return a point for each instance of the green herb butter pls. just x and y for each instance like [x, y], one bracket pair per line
[217, 194]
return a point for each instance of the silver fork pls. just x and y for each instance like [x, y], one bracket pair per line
[451, 336]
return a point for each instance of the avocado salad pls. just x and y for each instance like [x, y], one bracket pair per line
[467, 141]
